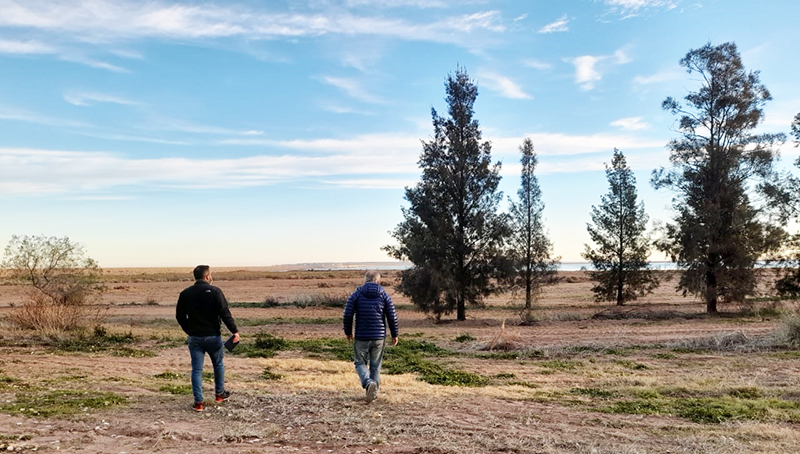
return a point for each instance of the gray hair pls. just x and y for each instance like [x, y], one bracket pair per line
[372, 276]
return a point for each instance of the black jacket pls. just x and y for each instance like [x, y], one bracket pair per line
[200, 309]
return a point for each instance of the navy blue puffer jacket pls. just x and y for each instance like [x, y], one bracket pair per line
[372, 308]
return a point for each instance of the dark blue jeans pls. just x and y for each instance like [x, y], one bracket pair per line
[198, 347]
[368, 357]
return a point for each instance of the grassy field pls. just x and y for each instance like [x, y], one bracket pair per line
[658, 376]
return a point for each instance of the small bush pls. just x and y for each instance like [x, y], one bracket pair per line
[633, 365]
[464, 338]
[558, 364]
[267, 374]
[593, 392]
[266, 341]
[176, 389]
[745, 393]
[791, 328]
[504, 375]
[168, 376]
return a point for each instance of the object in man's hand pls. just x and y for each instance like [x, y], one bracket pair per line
[230, 344]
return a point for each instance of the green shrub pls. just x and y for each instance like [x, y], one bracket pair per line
[168, 376]
[176, 389]
[267, 374]
[464, 338]
[593, 392]
[631, 364]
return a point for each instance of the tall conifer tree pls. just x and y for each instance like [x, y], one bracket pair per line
[530, 248]
[719, 231]
[452, 232]
[621, 269]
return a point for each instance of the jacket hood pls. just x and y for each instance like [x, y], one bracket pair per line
[371, 290]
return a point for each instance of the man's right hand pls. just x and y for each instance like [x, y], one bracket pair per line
[235, 337]
[350, 338]
[394, 341]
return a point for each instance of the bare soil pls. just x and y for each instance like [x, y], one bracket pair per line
[531, 405]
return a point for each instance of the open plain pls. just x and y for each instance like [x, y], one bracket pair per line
[576, 376]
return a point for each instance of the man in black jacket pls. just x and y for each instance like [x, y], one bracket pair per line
[199, 311]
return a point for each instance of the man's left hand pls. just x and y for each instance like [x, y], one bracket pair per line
[350, 338]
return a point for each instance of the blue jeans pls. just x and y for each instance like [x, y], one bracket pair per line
[198, 347]
[368, 353]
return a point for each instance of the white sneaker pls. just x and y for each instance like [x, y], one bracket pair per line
[372, 391]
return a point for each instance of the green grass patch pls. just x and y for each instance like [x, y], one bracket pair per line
[745, 393]
[595, 393]
[560, 364]
[664, 356]
[526, 384]
[99, 340]
[168, 375]
[128, 352]
[176, 389]
[711, 410]
[61, 403]
[464, 338]
[504, 375]
[633, 365]
[794, 354]
[267, 374]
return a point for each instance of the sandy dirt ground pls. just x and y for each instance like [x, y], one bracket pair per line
[317, 405]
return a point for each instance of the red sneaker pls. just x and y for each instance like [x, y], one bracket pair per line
[198, 406]
[222, 397]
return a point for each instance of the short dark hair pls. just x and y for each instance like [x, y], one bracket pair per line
[200, 272]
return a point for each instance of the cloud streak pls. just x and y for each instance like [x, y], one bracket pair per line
[103, 20]
[503, 85]
[560, 25]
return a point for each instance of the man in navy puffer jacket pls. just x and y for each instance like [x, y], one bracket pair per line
[372, 308]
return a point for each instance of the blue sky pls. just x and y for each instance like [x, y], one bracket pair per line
[168, 133]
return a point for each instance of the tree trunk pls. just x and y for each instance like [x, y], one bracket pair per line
[461, 310]
[711, 291]
[619, 291]
[528, 291]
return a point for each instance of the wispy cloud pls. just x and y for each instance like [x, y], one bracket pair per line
[398, 3]
[560, 25]
[631, 8]
[587, 67]
[25, 47]
[657, 78]
[361, 161]
[536, 64]
[88, 98]
[105, 20]
[520, 17]
[630, 124]
[353, 89]
[586, 74]
[93, 63]
[12, 114]
[164, 123]
[503, 85]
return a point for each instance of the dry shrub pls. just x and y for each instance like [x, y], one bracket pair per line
[721, 342]
[791, 328]
[40, 313]
[505, 340]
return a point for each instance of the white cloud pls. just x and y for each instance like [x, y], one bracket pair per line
[353, 88]
[657, 78]
[630, 124]
[631, 8]
[557, 144]
[520, 17]
[536, 64]
[560, 25]
[164, 123]
[585, 72]
[12, 114]
[93, 63]
[503, 85]
[106, 20]
[398, 3]
[88, 98]
[24, 47]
